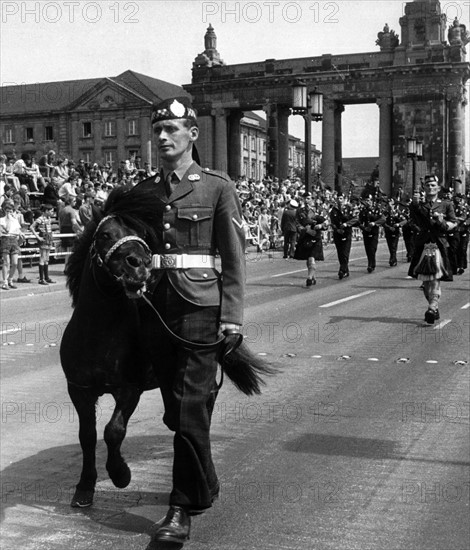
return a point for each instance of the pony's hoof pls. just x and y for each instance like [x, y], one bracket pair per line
[121, 477]
[82, 498]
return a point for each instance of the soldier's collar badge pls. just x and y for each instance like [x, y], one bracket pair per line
[194, 177]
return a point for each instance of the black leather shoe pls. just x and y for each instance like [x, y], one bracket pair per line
[340, 274]
[370, 269]
[311, 281]
[175, 527]
[430, 316]
[393, 263]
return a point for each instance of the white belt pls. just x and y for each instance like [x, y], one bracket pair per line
[182, 261]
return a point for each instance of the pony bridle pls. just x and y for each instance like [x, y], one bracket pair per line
[103, 262]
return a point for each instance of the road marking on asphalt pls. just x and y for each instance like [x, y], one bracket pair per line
[442, 324]
[348, 298]
[303, 269]
[466, 306]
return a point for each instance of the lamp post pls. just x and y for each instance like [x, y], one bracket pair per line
[310, 106]
[414, 151]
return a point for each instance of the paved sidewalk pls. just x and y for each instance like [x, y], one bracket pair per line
[56, 273]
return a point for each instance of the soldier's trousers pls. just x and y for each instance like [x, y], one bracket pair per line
[371, 242]
[189, 390]
[454, 242]
[392, 238]
[343, 249]
[462, 251]
[408, 239]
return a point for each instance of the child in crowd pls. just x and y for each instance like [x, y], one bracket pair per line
[10, 231]
[42, 230]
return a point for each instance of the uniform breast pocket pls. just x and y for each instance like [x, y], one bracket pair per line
[194, 226]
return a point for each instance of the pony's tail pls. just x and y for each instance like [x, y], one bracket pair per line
[246, 370]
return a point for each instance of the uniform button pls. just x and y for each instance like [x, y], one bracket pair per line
[194, 216]
[167, 246]
[167, 207]
[204, 275]
[167, 226]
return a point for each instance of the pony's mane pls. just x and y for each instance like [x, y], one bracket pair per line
[134, 209]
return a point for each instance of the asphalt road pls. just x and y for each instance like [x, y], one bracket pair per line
[361, 442]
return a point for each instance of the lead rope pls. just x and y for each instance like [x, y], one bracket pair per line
[179, 339]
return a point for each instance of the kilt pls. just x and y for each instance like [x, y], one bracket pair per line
[308, 247]
[445, 269]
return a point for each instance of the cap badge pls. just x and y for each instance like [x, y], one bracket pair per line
[157, 179]
[177, 109]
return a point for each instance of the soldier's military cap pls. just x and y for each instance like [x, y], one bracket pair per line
[431, 177]
[172, 108]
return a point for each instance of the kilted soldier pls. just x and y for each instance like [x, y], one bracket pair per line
[462, 212]
[199, 216]
[430, 263]
[371, 218]
[342, 219]
[309, 243]
[394, 220]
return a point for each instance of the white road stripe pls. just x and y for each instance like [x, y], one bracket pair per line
[348, 298]
[466, 306]
[443, 323]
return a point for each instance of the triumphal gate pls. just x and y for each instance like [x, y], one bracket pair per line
[417, 80]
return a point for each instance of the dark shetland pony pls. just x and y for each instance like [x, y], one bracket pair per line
[102, 348]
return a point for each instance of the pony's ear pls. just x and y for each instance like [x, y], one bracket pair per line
[97, 215]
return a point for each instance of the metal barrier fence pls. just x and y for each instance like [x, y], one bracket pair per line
[30, 250]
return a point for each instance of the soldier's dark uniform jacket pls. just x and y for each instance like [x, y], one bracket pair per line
[203, 216]
[421, 214]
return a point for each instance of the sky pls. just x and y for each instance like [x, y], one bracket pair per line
[46, 41]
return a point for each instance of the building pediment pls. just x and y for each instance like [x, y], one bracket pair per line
[108, 95]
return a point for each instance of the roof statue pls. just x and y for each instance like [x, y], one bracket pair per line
[458, 34]
[387, 39]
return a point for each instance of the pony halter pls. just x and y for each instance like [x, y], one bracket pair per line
[117, 244]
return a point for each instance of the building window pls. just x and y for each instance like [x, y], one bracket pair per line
[9, 135]
[132, 127]
[86, 156]
[290, 153]
[253, 144]
[48, 133]
[86, 129]
[109, 157]
[29, 134]
[264, 147]
[109, 128]
[245, 142]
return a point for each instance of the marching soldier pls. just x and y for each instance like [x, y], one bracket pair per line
[430, 263]
[462, 212]
[371, 218]
[409, 230]
[394, 220]
[310, 244]
[343, 219]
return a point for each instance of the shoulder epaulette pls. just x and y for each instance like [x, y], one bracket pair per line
[218, 173]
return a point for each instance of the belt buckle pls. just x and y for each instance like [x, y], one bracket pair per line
[168, 260]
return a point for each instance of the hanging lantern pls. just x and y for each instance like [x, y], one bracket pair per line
[411, 147]
[316, 105]
[299, 96]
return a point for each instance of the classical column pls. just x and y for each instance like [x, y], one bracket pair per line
[234, 144]
[283, 141]
[338, 111]
[385, 144]
[206, 140]
[272, 146]
[328, 143]
[220, 139]
[455, 154]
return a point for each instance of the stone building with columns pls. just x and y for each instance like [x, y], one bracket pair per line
[417, 82]
[100, 120]
[253, 147]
